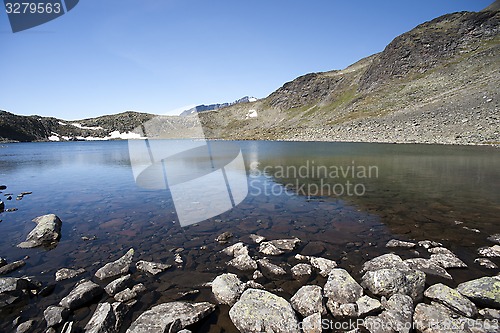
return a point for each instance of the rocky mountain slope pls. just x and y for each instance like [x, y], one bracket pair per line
[437, 83]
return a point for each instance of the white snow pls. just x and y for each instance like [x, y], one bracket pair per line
[54, 138]
[125, 136]
[251, 114]
[252, 99]
[61, 123]
[86, 127]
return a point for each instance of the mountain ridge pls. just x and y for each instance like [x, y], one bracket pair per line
[437, 83]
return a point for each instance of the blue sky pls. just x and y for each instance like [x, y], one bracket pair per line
[159, 56]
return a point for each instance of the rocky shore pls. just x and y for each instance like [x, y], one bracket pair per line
[386, 294]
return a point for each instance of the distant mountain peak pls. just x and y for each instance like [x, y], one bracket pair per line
[212, 107]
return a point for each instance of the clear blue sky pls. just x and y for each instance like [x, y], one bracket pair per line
[109, 56]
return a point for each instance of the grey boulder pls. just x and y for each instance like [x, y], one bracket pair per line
[428, 266]
[170, 317]
[6, 269]
[260, 311]
[118, 267]
[308, 300]
[390, 281]
[243, 262]
[117, 285]
[103, 320]
[341, 287]
[483, 292]
[452, 299]
[11, 284]
[491, 252]
[367, 306]
[46, 232]
[312, 324]
[227, 288]
[436, 318]
[83, 293]
[397, 316]
[324, 266]
[301, 271]
[388, 260]
[55, 315]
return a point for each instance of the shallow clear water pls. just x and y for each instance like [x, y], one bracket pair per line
[409, 192]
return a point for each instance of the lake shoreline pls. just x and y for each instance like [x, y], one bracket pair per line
[465, 144]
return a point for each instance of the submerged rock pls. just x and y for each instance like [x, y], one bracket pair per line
[227, 288]
[261, 311]
[484, 291]
[398, 243]
[452, 299]
[257, 239]
[341, 287]
[84, 292]
[46, 232]
[117, 267]
[170, 317]
[25, 327]
[55, 315]
[390, 281]
[118, 285]
[486, 263]
[152, 268]
[308, 300]
[6, 269]
[494, 238]
[224, 237]
[67, 273]
[3, 262]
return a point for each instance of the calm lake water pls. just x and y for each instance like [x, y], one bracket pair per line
[343, 200]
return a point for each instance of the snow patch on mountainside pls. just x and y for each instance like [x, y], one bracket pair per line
[251, 114]
[85, 127]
